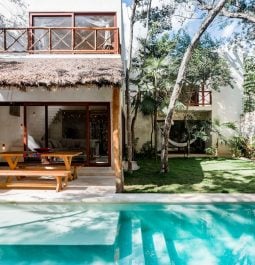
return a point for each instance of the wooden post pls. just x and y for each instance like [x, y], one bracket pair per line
[116, 114]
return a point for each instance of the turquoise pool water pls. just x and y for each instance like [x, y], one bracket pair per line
[75, 234]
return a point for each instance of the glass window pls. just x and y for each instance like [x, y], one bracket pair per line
[86, 39]
[94, 21]
[60, 38]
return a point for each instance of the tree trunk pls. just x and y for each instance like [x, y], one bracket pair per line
[152, 130]
[128, 99]
[129, 133]
[155, 118]
[186, 120]
[138, 96]
[179, 81]
[138, 100]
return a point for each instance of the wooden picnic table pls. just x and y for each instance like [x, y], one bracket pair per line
[67, 157]
[13, 157]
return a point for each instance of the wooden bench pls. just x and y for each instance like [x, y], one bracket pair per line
[54, 173]
[72, 176]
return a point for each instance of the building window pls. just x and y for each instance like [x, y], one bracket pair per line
[73, 31]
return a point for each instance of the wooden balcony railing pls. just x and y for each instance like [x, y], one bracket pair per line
[201, 98]
[60, 40]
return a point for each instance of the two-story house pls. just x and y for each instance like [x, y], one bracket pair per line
[60, 81]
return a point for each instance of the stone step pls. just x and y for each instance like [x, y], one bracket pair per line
[96, 171]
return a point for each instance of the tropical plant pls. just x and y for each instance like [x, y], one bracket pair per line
[241, 146]
[217, 129]
[152, 79]
[155, 19]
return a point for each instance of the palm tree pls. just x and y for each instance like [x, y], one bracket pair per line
[154, 85]
[217, 128]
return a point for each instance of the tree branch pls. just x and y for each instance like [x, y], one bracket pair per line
[239, 15]
[226, 13]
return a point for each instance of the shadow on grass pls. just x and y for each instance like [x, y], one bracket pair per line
[220, 175]
[182, 172]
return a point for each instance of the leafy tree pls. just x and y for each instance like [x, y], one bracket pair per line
[180, 80]
[152, 78]
[148, 62]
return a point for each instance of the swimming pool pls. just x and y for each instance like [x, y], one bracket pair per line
[74, 234]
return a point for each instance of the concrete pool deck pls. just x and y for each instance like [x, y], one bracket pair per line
[101, 189]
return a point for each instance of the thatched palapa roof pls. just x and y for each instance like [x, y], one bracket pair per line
[60, 72]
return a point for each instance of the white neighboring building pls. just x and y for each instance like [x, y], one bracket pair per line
[224, 105]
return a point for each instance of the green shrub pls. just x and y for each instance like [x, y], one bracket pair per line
[147, 151]
[211, 151]
[241, 146]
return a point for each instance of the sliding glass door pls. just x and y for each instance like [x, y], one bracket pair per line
[67, 130]
[99, 135]
[81, 127]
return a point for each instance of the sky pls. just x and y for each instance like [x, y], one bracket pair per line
[192, 25]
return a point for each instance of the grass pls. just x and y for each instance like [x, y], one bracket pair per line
[193, 175]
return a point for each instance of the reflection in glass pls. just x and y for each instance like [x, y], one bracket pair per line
[89, 39]
[67, 129]
[99, 134]
[60, 38]
[35, 127]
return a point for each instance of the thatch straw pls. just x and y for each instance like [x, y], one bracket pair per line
[57, 72]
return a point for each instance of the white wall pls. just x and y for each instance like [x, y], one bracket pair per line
[11, 130]
[79, 94]
[227, 104]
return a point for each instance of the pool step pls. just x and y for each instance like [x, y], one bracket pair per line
[160, 248]
[137, 243]
[155, 248]
[130, 244]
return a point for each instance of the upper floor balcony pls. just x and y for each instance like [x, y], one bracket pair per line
[201, 98]
[63, 33]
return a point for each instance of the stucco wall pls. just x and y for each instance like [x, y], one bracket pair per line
[78, 94]
[11, 130]
[227, 103]
[142, 130]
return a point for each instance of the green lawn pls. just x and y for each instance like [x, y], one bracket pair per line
[215, 175]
